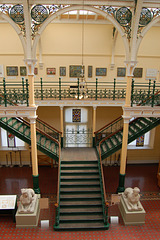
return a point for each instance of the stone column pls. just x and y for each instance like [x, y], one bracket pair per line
[94, 124]
[62, 128]
[130, 65]
[30, 63]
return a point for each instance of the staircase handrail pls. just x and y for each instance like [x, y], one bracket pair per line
[59, 133]
[57, 205]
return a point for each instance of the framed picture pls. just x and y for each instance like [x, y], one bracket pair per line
[90, 71]
[1, 71]
[51, 71]
[23, 71]
[11, 140]
[138, 72]
[101, 71]
[12, 71]
[121, 72]
[35, 71]
[75, 70]
[62, 71]
[140, 141]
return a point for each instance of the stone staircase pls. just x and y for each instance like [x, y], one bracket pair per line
[80, 196]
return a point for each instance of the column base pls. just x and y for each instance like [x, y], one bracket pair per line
[61, 142]
[93, 142]
[36, 184]
[121, 187]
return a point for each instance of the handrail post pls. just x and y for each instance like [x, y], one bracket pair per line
[59, 88]
[23, 88]
[78, 88]
[96, 88]
[5, 94]
[149, 87]
[154, 85]
[41, 89]
[132, 91]
[114, 89]
[27, 93]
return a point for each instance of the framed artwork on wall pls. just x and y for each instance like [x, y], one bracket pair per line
[138, 72]
[121, 72]
[76, 115]
[51, 71]
[1, 71]
[11, 140]
[12, 71]
[75, 70]
[62, 71]
[23, 71]
[90, 71]
[101, 71]
[35, 71]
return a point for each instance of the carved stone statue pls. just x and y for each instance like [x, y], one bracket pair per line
[27, 201]
[131, 197]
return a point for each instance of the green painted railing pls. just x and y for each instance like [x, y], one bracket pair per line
[77, 90]
[49, 130]
[103, 193]
[108, 129]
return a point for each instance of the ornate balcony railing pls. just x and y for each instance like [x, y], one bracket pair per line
[18, 92]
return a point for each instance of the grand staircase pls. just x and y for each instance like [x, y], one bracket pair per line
[47, 137]
[80, 196]
[113, 140]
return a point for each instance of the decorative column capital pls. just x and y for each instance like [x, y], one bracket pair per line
[130, 66]
[30, 64]
[61, 107]
[94, 108]
[126, 118]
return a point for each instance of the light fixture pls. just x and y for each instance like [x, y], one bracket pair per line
[82, 81]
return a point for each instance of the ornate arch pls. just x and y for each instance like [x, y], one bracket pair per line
[16, 28]
[88, 8]
[144, 31]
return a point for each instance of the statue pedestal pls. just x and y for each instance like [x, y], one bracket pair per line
[131, 217]
[28, 220]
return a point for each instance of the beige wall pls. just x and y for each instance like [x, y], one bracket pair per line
[50, 115]
[62, 46]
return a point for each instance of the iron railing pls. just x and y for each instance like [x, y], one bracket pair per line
[76, 90]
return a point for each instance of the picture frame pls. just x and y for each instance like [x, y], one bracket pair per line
[138, 72]
[11, 140]
[23, 71]
[1, 71]
[62, 71]
[90, 68]
[12, 70]
[101, 71]
[75, 70]
[121, 72]
[35, 71]
[51, 71]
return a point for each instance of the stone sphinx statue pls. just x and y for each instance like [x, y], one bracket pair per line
[27, 201]
[131, 197]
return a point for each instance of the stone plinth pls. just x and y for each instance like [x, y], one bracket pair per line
[28, 220]
[131, 217]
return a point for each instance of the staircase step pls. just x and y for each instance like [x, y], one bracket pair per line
[81, 226]
[83, 161]
[81, 177]
[85, 171]
[88, 203]
[80, 184]
[71, 190]
[80, 196]
[81, 218]
[81, 210]
[79, 166]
